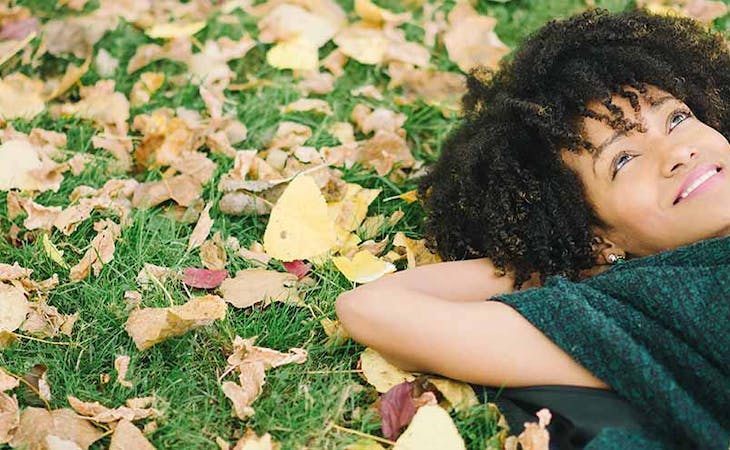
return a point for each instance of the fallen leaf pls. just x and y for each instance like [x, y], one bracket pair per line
[202, 228]
[242, 395]
[380, 373]
[174, 30]
[364, 267]
[153, 274]
[430, 429]
[471, 40]
[203, 278]
[149, 326]
[99, 413]
[53, 252]
[535, 436]
[244, 352]
[299, 226]
[14, 307]
[253, 286]
[20, 97]
[100, 252]
[37, 423]
[416, 251]
[335, 332]
[121, 365]
[45, 321]
[7, 381]
[250, 441]
[396, 408]
[126, 436]
[213, 254]
[364, 444]
[459, 395]
[9, 417]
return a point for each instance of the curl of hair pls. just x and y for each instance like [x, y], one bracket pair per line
[499, 188]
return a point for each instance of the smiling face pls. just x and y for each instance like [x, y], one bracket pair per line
[635, 178]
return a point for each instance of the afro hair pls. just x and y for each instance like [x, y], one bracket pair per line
[500, 189]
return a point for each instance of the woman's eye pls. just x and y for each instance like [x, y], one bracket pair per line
[618, 164]
[682, 115]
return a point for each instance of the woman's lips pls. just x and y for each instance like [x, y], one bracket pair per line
[708, 184]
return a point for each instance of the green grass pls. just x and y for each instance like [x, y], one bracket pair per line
[298, 401]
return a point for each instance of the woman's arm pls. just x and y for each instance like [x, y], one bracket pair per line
[484, 342]
[462, 281]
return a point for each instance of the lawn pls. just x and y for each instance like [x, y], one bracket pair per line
[302, 405]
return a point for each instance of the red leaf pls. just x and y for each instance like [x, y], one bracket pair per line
[298, 268]
[396, 409]
[19, 29]
[203, 278]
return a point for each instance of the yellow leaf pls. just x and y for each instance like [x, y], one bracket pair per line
[54, 253]
[460, 395]
[410, 196]
[299, 226]
[174, 30]
[430, 429]
[364, 267]
[296, 54]
[380, 373]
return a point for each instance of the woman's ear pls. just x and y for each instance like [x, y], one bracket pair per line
[602, 247]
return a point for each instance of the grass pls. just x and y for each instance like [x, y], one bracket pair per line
[298, 401]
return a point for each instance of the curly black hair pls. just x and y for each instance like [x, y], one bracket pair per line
[500, 189]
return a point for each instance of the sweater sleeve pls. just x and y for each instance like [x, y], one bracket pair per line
[611, 327]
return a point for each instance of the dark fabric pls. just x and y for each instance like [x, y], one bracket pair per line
[579, 413]
[656, 330]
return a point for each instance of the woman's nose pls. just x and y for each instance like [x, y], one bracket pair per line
[679, 155]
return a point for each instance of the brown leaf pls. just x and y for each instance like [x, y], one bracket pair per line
[126, 436]
[148, 326]
[535, 435]
[203, 278]
[252, 286]
[45, 321]
[37, 423]
[471, 40]
[242, 395]
[202, 228]
[213, 254]
[20, 97]
[101, 414]
[7, 382]
[9, 417]
[244, 352]
[121, 365]
[250, 441]
[41, 391]
[100, 253]
[383, 151]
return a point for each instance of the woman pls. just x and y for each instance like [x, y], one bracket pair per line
[586, 200]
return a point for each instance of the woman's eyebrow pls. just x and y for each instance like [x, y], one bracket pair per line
[622, 133]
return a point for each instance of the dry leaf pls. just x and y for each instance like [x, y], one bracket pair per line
[416, 251]
[37, 423]
[535, 435]
[174, 30]
[99, 413]
[430, 429]
[213, 254]
[20, 97]
[202, 228]
[471, 40]
[242, 395]
[9, 417]
[121, 365]
[459, 395]
[126, 436]
[380, 373]
[250, 441]
[14, 307]
[101, 251]
[252, 286]
[152, 274]
[148, 84]
[335, 332]
[45, 320]
[299, 226]
[308, 104]
[148, 326]
[364, 267]
[244, 352]
[7, 382]
[203, 278]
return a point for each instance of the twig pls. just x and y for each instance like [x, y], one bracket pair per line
[332, 371]
[361, 434]
[21, 336]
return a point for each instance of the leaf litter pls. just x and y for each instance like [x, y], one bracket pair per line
[168, 159]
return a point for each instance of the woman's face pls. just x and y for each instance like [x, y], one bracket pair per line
[634, 181]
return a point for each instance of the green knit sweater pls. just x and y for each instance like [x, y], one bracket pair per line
[656, 330]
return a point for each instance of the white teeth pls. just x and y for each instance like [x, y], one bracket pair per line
[698, 182]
